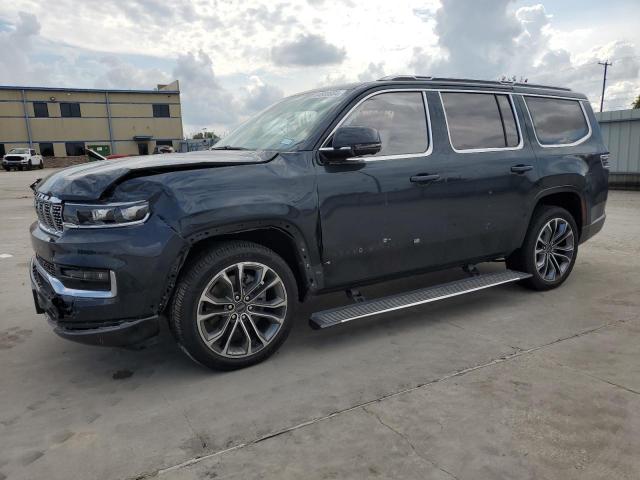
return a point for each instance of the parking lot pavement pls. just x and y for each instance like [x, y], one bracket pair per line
[503, 383]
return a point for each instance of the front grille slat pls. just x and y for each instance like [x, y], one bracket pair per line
[49, 267]
[49, 213]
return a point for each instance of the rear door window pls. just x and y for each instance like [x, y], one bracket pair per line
[399, 117]
[478, 121]
[557, 121]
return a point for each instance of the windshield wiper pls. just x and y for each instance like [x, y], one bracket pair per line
[229, 147]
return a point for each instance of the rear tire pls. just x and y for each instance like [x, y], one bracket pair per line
[549, 250]
[234, 305]
[41, 165]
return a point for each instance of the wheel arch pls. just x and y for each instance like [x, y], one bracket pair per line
[283, 238]
[568, 198]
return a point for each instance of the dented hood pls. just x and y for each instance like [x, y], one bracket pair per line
[89, 181]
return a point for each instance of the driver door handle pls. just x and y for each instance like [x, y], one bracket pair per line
[424, 178]
[521, 168]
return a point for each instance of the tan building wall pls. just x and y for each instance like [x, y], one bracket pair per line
[113, 118]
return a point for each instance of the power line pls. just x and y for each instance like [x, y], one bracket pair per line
[606, 64]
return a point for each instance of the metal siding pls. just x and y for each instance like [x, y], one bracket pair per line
[621, 134]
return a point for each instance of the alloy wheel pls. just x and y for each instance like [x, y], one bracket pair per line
[241, 309]
[554, 249]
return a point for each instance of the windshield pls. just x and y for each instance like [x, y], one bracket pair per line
[19, 150]
[284, 125]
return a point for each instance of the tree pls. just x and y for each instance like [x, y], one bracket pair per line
[636, 104]
[201, 136]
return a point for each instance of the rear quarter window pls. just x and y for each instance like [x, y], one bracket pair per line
[557, 121]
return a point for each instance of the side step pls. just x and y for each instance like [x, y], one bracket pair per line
[336, 316]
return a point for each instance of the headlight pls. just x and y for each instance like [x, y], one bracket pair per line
[106, 215]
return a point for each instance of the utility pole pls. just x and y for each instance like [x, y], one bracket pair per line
[606, 64]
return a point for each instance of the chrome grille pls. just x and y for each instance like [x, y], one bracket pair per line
[49, 212]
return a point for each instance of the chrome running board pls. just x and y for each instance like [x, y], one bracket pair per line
[336, 316]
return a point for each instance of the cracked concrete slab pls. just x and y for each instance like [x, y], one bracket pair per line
[523, 417]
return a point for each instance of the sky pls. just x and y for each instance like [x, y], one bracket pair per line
[233, 58]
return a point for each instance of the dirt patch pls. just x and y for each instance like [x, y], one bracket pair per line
[13, 336]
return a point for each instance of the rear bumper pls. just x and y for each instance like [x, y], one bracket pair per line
[594, 227]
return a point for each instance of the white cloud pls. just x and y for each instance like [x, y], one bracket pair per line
[16, 45]
[499, 40]
[234, 58]
[307, 50]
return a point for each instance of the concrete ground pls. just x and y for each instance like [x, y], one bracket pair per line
[502, 383]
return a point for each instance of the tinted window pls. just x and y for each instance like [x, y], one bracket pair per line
[557, 121]
[40, 109]
[480, 120]
[69, 109]
[161, 110]
[400, 119]
[46, 149]
[74, 148]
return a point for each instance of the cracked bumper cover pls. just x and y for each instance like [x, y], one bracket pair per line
[140, 260]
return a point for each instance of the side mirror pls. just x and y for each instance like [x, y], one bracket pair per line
[349, 142]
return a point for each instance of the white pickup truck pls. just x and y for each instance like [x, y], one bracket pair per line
[22, 159]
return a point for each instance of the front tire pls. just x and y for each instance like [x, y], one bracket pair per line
[234, 305]
[41, 165]
[549, 250]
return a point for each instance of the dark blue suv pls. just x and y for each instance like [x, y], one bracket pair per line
[325, 190]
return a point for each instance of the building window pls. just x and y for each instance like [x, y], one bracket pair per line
[46, 149]
[2, 151]
[69, 109]
[161, 110]
[160, 143]
[479, 121]
[74, 149]
[40, 109]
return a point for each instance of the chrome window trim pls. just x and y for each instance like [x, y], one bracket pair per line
[60, 289]
[425, 104]
[520, 145]
[558, 145]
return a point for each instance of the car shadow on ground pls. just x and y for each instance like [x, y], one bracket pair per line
[163, 353]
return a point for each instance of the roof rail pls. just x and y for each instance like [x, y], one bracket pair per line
[467, 81]
[399, 78]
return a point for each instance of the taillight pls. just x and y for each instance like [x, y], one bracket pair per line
[604, 158]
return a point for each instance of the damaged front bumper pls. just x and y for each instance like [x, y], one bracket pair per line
[57, 302]
[124, 307]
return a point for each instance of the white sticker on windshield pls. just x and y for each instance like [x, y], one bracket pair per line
[286, 141]
[327, 93]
